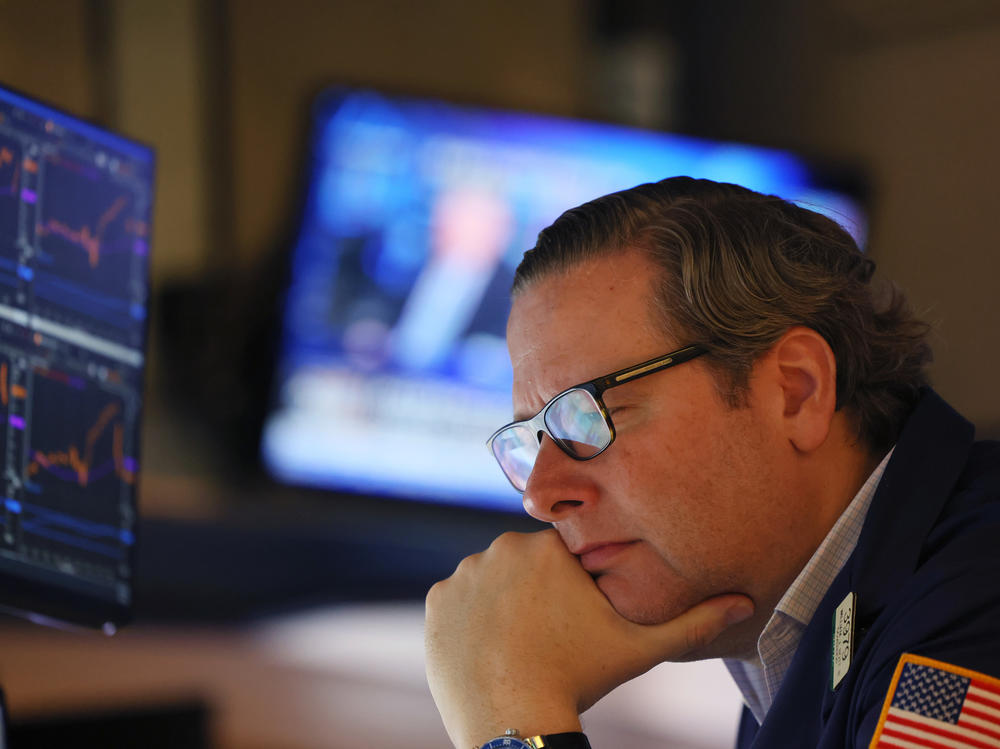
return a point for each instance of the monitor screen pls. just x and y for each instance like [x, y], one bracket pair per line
[75, 204]
[392, 369]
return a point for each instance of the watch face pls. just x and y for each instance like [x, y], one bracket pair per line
[505, 742]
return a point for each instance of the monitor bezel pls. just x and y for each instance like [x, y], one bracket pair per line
[839, 176]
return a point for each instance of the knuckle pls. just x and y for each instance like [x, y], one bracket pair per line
[434, 594]
[506, 541]
[465, 565]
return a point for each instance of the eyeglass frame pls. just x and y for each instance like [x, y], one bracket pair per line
[596, 388]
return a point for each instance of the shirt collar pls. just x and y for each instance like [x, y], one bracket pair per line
[759, 679]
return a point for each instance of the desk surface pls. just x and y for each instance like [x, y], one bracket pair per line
[346, 676]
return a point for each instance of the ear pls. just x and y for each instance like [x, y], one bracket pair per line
[806, 374]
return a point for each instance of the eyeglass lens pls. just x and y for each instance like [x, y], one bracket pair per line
[574, 420]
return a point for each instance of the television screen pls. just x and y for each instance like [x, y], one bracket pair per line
[75, 207]
[392, 369]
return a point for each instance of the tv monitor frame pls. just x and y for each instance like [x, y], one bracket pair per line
[412, 147]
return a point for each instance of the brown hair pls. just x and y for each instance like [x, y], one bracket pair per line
[739, 269]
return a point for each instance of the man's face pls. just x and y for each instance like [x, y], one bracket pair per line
[689, 500]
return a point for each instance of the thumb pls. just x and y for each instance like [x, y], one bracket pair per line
[697, 627]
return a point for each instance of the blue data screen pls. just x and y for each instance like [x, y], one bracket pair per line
[75, 205]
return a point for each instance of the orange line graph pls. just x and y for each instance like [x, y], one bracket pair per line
[4, 397]
[136, 226]
[89, 240]
[111, 214]
[81, 464]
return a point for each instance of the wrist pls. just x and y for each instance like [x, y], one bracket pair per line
[484, 734]
[543, 716]
[513, 739]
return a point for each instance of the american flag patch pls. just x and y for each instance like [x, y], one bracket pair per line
[934, 704]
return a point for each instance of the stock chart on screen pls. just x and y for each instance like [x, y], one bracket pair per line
[75, 205]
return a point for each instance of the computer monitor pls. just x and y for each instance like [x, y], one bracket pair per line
[75, 206]
[392, 367]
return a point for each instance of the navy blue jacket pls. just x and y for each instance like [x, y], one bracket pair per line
[926, 572]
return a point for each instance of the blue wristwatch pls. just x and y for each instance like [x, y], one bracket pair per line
[510, 740]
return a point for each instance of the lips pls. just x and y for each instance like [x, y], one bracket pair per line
[597, 557]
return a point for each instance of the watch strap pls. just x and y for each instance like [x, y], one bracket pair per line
[571, 740]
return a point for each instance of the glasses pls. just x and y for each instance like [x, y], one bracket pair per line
[576, 420]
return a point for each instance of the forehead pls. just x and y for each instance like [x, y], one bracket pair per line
[573, 326]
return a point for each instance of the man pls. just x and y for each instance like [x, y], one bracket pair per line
[763, 477]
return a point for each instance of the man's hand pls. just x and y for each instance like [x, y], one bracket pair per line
[521, 637]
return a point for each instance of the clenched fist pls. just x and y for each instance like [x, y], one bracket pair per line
[521, 637]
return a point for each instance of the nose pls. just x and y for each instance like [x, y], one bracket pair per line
[558, 485]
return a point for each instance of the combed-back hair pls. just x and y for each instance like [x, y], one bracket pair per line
[740, 268]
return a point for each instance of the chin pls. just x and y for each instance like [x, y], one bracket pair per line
[650, 603]
[642, 604]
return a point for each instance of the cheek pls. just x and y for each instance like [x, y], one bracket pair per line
[671, 508]
[699, 497]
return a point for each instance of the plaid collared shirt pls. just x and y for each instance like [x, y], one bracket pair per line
[759, 679]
